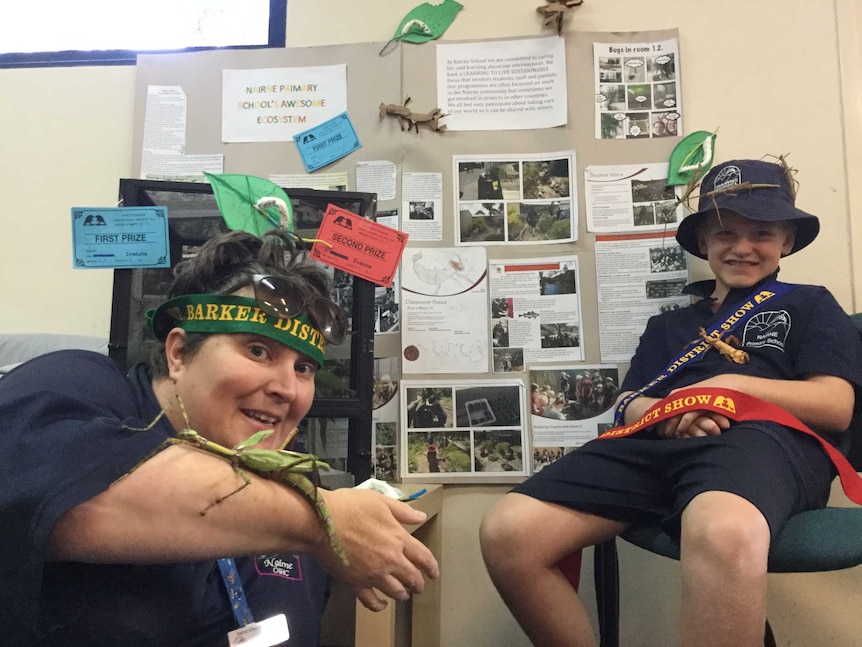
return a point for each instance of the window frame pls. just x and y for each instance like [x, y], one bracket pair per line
[75, 58]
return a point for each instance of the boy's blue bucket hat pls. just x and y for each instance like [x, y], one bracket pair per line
[753, 189]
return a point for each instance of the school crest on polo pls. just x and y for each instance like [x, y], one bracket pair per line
[767, 330]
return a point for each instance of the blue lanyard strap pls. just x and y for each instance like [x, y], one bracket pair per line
[235, 592]
[695, 351]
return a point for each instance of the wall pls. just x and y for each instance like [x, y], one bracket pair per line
[767, 75]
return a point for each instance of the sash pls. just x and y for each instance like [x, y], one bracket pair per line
[695, 351]
[739, 407]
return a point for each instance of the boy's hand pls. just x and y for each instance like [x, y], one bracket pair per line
[692, 425]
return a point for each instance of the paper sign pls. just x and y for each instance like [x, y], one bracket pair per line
[120, 237]
[327, 142]
[360, 247]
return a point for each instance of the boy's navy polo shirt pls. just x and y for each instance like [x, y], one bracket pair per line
[789, 337]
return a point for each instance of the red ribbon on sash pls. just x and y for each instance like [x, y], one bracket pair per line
[739, 407]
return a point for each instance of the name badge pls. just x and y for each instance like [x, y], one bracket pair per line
[266, 633]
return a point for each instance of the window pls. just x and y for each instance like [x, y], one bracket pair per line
[113, 32]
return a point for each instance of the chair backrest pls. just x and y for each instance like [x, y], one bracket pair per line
[855, 431]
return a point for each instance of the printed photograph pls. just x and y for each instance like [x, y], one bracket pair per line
[573, 393]
[482, 221]
[498, 451]
[438, 452]
[429, 408]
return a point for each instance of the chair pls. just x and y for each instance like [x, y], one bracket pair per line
[816, 540]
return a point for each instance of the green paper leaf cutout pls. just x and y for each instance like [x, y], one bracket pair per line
[427, 22]
[692, 157]
[250, 203]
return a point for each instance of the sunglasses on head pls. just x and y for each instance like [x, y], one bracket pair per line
[280, 298]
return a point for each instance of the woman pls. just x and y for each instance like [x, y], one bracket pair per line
[110, 536]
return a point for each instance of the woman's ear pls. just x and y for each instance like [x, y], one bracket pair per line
[175, 352]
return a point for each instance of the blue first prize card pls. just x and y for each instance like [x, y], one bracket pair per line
[327, 142]
[120, 237]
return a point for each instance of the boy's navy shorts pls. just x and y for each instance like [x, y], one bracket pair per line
[643, 478]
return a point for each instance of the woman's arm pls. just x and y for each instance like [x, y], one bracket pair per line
[154, 514]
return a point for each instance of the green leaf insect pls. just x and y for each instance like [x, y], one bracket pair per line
[279, 465]
[250, 203]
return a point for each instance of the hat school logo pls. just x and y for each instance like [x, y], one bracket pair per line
[728, 176]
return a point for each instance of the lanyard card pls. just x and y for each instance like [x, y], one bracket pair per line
[266, 633]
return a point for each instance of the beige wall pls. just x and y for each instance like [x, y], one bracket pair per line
[768, 75]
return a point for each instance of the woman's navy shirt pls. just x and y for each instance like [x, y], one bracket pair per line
[67, 421]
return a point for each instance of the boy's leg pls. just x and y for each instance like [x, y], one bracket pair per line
[523, 539]
[724, 552]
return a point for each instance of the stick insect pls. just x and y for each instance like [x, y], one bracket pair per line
[732, 354]
[279, 465]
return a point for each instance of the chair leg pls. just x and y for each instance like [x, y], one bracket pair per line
[768, 636]
[606, 574]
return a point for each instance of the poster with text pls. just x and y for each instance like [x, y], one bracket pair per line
[274, 104]
[638, 90]
[535, 312]
[444, 301]
[569, 406]
[630, 197]
[637, 276]
[512, 84]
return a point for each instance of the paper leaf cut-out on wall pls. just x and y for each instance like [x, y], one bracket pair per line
[426, 22]
[691, 158]
[251, 203]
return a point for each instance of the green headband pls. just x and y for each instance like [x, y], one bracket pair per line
[216, 313]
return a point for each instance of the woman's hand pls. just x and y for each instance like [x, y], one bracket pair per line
[381, 553]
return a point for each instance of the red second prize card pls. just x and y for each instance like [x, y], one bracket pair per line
[359, 246]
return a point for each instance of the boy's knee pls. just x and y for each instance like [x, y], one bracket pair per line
[502, 531]
[733, 532]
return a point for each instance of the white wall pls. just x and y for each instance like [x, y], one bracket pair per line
[766, 74]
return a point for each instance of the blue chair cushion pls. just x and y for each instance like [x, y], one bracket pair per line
[816, 540]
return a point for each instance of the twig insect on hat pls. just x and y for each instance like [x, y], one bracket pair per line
[754, 189]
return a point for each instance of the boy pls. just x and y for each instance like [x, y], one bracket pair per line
[725, 488]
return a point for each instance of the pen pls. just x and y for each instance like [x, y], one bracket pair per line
[417, 494]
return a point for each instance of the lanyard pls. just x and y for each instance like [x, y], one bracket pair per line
[235, 592]
[695, 351]
[739, 407]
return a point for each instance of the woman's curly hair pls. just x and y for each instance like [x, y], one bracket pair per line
[226, 263]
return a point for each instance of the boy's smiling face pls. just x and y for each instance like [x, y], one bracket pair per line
[742, 251]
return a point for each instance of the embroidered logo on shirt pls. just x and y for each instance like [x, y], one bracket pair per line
[284, 566]
[767, 329]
